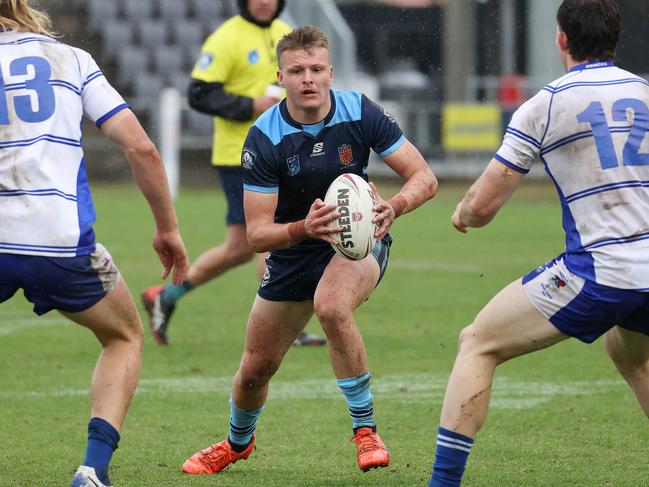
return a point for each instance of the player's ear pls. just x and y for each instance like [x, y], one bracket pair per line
[280, 78]
[562, 41]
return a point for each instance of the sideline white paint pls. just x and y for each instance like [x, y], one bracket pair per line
[10, 325]
[507, 393]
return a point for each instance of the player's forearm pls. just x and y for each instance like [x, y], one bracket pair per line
[151, 179]
[474, 214]
[418, 188]
[212, 99]
[263, 238]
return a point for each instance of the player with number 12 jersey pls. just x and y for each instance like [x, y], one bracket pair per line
[589, 129]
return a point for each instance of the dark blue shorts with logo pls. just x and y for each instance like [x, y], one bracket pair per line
[293, 274]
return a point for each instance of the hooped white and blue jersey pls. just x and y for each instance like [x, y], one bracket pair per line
[299, 162]
[589, 128]
[46, 87]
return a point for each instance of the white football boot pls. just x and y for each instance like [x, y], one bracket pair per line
[86, 477]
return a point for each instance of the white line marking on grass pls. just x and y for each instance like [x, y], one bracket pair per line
[417, 388]
[12, 325]
[431, 265]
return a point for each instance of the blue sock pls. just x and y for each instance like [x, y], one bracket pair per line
[172, 292]
[450, 458]
[102, 442]
[359, 400]
[242, 425]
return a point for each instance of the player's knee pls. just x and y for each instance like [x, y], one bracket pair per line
[467, 339]
[257, 373]
[330, 314]
[627, 364]
[131, 331]
[471, 342]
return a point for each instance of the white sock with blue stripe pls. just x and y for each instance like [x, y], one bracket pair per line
[450, 458]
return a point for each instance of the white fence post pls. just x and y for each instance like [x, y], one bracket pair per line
[169, 143]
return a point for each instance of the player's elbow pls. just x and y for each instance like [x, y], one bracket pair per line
[142, 149]
[430, 183]
[256, 240]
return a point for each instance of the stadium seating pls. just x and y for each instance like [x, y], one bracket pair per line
[99, 12]
[138, 10]
[152, 33]
[131, 63]
[172, 10]
[150, 39]
[208, 9]
[116, 35]
[168, 60]
[187, 32]
[154, 44]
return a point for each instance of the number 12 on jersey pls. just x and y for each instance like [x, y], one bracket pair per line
[631, 156]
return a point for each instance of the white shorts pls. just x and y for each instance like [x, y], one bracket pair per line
[582, 308]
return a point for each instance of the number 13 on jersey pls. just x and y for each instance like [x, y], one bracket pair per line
[40, 70]
[631, 156]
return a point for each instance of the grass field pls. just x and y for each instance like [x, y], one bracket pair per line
[561, 417]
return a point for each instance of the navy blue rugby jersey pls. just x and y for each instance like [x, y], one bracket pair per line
[299, 161]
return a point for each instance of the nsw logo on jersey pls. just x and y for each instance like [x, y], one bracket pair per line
[248, 158]
[204, 61]
[253, 56]
[293, 165]
[345, 154]
[318, 149]
[389, 116]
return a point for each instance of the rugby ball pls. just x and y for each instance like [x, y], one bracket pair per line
[354, 200]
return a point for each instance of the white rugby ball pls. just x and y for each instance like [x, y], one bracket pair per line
[354, 200]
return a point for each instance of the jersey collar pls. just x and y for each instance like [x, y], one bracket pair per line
[293, 123]
[594, 64]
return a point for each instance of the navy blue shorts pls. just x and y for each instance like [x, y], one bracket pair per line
[581, 308]
[70, 284]
[293, 274]
[231, 178]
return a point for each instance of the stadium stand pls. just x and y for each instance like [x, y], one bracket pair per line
[153, 43]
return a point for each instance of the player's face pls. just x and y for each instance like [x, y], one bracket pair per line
[307, 77]
[262, 10]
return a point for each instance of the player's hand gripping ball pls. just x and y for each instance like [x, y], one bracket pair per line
[354, 200]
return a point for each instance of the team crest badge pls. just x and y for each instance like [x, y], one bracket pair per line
[253, 56]
[248, 158]
[293, 165]
[204, 61]
[345, 154]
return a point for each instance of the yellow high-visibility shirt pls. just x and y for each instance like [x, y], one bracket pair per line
[241, 56]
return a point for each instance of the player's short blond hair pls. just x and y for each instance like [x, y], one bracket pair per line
[17, 15]
[305, 38]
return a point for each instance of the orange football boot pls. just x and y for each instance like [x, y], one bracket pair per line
[215, 458]
[372, 452]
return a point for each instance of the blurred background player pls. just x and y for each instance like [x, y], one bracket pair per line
[234, 80]
[48, 244]
[299, 144]
[587, 127]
